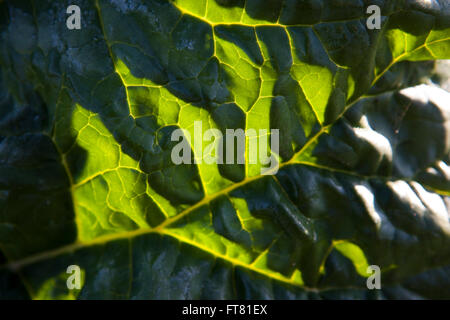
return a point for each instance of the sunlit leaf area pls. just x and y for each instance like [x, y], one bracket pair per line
[87, 177]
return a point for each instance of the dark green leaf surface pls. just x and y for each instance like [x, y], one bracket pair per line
[86, 176]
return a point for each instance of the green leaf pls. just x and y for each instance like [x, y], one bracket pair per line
[86, 176]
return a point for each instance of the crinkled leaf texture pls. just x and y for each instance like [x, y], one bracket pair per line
[86, 176]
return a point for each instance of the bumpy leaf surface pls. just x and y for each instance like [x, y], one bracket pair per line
[86, 176]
